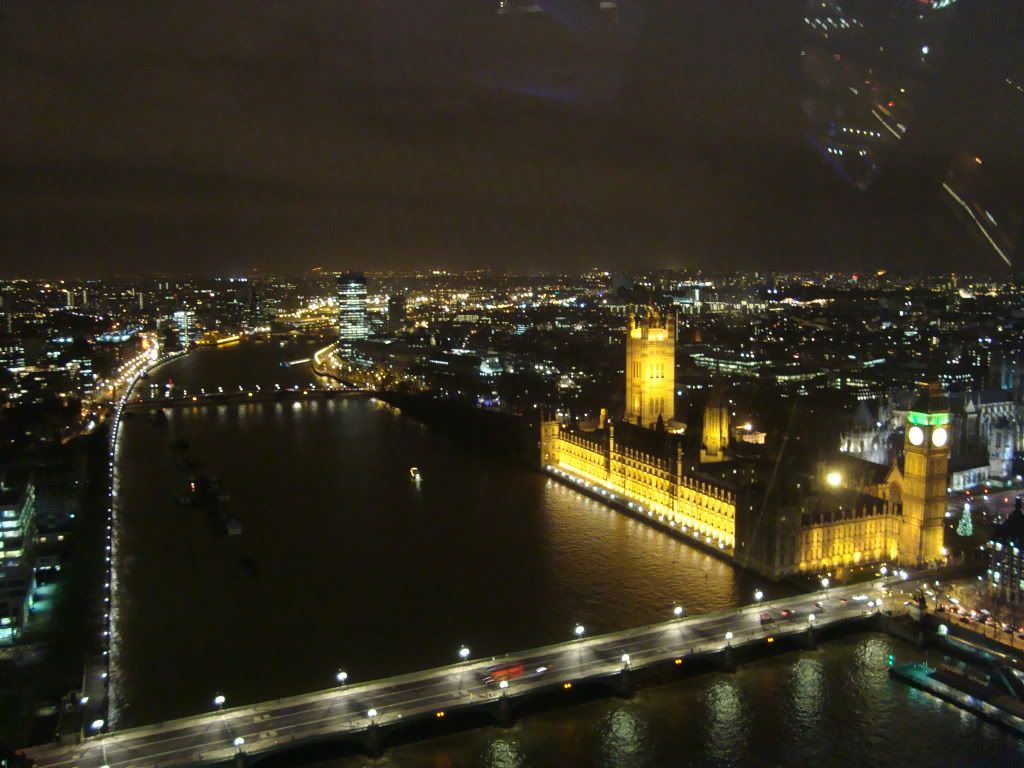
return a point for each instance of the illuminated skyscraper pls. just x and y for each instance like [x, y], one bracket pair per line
[351, 300]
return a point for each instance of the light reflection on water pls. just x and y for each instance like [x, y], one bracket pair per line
[504, 753]
[623, 735]
[725, 720]
[357, 569]
[832, 707]
[344, 560]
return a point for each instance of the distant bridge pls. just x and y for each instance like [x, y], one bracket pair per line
[256, 394]
[372, 713]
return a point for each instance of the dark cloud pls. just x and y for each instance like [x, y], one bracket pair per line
[291, 133]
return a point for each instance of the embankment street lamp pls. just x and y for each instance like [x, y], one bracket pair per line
[579, 630]
[463, 653]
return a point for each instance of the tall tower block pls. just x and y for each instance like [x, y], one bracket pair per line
[549, 434]
[925, 468]
[651, 368]
[715, 437]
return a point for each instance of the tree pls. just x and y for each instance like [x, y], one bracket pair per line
[965, 527]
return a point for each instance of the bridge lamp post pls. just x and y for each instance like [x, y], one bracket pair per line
[824, 585]
[677, 611]
[758, 595]
[503, 686]
[97, 725]
[341, 677]
[371, 713]
[728, 637]
[810, 618]
[463, 653]
[625, 661]
[238, 742]
[218, 701]
[579, 630]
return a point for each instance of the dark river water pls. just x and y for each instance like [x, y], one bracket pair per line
[345, 562]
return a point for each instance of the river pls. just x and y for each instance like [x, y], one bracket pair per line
[346, 562]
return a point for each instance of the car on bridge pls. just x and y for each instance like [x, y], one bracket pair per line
[507, 673]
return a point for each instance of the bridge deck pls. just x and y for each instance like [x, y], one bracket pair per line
[197, 399]
[276, 725]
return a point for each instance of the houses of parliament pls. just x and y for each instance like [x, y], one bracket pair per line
[776, 519]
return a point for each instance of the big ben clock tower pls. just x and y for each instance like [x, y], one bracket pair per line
[925, 474]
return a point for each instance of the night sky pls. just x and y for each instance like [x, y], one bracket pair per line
[284, 134]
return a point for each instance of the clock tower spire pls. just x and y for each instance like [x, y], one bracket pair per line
[925, 474]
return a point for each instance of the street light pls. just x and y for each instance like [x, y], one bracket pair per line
[677, 611]
[371, 713]
[239, 741]
[758, 595]
[341, 677]
[810, 618]
[218, 700]
[625, 659]
[97, 724]
[503, 685]
[728, 637]
[579, 630]
[463, 653]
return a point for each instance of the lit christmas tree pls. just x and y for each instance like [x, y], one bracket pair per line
[965, 527]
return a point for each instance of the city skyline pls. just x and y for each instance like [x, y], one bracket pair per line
[797, 457]
[511, 383]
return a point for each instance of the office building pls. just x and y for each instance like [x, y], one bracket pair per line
[1006, 560]
[353, 325]
[17, 523]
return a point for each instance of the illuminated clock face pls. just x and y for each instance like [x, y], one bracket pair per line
[939, 437]
[916, 435]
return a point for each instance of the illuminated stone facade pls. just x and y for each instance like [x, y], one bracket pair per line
[647, 469]
[925, 477]
[853, 512]
[651, 368]
[715, 437]
[777, 520]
